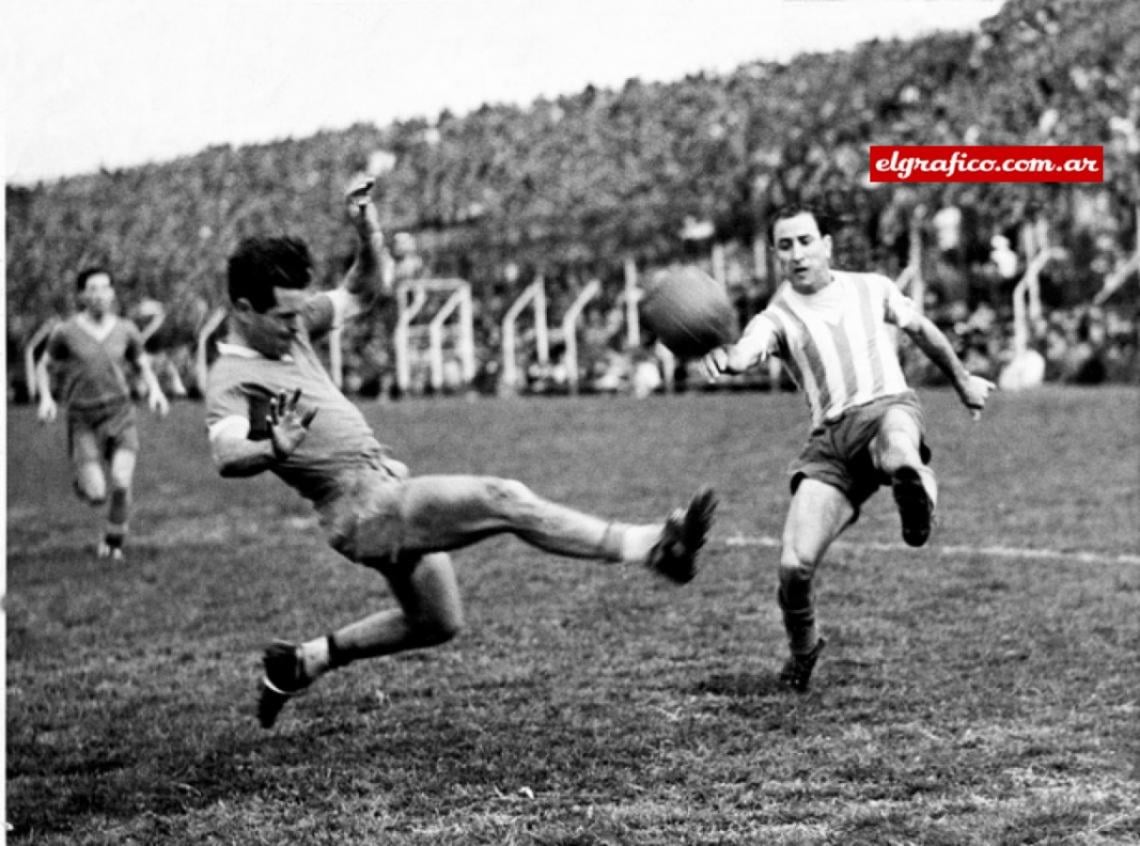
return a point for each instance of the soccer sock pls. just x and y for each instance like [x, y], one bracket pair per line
[115, 532]
[631, 544]
[929, 484]
[316, 656]
[120, 510]
[799, 619]
[114, 535]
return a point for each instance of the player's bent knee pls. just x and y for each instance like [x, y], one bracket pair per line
[797, 560]
[439, 629]
[436, 613]
[449, 627]
[795, 585]
[91, 487]
[896, 455]
[93, 499]
[897, 446]
[508, 496]
[796, 569]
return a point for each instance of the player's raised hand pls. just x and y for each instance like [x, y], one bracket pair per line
[361, 210]
[974, 392]
[289, 422]
[47, 410]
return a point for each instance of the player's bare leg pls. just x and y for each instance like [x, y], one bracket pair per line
[118, 515]
[439, 513]
[90, 480]
[895, 451]
[91, 483]
[448, 512]
[430, 613]
[817, 515]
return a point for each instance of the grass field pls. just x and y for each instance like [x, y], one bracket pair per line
[985, 689]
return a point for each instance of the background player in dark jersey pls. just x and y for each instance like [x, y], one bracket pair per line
[92, 351]
[271, 406]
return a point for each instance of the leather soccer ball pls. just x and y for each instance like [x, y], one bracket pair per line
[689, 312]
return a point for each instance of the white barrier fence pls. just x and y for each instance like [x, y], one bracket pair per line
[534, 295]
[412, 297]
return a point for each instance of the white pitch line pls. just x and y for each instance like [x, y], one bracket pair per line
[1076, 556]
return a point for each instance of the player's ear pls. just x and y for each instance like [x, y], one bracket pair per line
[243, 307]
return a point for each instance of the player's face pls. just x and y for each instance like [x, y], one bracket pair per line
[271, 333]
[97, 295]
[804, 254]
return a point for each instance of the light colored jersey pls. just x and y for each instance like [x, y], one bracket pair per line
[93, 368]
[836, 342]
[238, 389]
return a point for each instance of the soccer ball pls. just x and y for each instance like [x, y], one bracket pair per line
[689, 312]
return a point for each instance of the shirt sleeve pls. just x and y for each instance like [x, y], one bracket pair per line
[759, 339]
[57, 346]
[899, 309]
[225, 399]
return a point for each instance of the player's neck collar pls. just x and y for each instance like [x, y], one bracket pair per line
[98, 330]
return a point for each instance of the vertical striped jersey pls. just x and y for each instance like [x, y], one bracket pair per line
[837, 343]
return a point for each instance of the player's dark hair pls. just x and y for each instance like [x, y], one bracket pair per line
[86, 273]
[261, 263]
[822, 218]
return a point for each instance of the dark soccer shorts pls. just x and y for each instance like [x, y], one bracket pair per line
[95, 435]
[839, 453]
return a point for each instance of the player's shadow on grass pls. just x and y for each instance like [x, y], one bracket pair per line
[740, 685]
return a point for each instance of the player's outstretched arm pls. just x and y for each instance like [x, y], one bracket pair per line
[366, 279]
[155, 397]
[156, 317]
[237, 457]
[47, 410]
[972, 390]
[754, 345]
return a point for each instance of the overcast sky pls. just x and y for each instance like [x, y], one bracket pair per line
[115, 83]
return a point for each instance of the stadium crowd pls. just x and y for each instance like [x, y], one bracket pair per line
[574, 187]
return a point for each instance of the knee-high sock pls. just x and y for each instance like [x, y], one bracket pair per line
[118, 516]
[798, 609]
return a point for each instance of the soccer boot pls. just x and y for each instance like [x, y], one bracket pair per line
[284, 678]
[915, 506]
[686, 529]
[107, 551]
[796, 672]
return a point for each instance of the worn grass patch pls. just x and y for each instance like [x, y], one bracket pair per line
[964, 698]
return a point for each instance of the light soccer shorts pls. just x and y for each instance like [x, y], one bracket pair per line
[362, 518]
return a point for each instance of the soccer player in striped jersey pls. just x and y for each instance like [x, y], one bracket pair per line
[92, 351]
[271, 406]
[832, 329]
